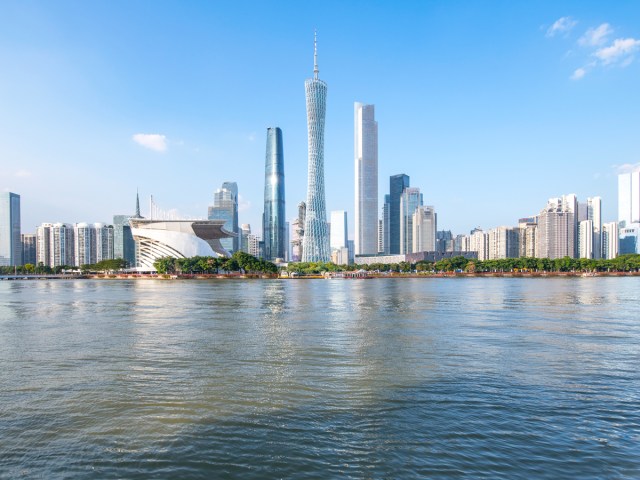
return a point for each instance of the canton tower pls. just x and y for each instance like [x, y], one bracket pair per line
[315, 243]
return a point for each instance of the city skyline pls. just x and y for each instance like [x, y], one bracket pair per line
[470, 124]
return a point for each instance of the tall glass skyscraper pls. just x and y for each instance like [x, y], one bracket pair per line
[397, 184]
[10, 239]
[273, 219]
[366, 178]
[225, 207]
[315, 244]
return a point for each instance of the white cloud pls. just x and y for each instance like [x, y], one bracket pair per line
[621, 50]
[22, 173]
[152, 141]
[627, 167]
[562, 25]
[579, 73]
[595, 36]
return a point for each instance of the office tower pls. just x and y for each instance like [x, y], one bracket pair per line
[410, 200]
[397, 185]
[366, 179]
[225, 207]
[124, 246]
[610, 239]
[351, 247]
[425, 225]
[298, 233]
[29, 249]
[10, 240]
[338, 237]
[479, 242]
[287, 241]
[629, 239]
[444, 241]
[502, 242]
[273, 218]
[315, 243]
[556, 234]
[629, 198]
[384, 232]
[527, 237]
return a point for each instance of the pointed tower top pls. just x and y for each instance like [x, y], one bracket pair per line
[315, 55]
[137, 204]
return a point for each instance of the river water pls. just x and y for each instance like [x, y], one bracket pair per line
[315, 379]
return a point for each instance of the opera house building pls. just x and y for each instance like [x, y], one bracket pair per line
[177, 238]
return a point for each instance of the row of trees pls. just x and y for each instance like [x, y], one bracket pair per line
[623, 263]
[42, 269]
[238, 262]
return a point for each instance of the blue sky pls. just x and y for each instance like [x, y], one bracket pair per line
[490, 107]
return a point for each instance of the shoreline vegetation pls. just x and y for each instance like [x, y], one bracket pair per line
[242, 265]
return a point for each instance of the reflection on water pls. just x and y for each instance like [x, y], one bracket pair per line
[389, 378]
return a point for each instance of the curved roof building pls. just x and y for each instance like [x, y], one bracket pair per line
[177, 238]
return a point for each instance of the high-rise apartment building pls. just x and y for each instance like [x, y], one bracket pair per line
[384, 227]
[225, 207]
[479, 242]
[610, 240]
[10, 239]
[585, 239]
[410, 200]
[397, 185]
[245, 231]
[253, 242]
[29, 249]
[425, 226]
[366, 179]
[556, 234]
[273, 218]
[527, 237]
[61, 245]
[629, 198]
[316, 237]
[502, 242]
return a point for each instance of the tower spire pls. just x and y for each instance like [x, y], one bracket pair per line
[315, 55]
[137, 204]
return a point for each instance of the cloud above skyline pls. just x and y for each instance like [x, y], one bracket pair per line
[152, 141]
[594, 37]
[600, 50]
[627, 167]
[562, 25]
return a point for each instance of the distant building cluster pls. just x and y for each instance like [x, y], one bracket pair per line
[403, 229]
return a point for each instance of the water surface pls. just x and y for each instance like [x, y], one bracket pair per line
[384, 378]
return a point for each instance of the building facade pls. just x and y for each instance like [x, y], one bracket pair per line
[225, 207]
[410, 200]
[315, 243]
[502, 242]
[29, 249]
[556, 234]
[629, 198]
[366, 179]
[10, 239]
[425, 226]
[273, 219]
[610, 240]
[397, 185]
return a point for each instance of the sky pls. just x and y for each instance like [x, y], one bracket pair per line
[490, 107]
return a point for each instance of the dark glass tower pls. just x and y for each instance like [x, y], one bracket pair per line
[273, 218]
[397, 184]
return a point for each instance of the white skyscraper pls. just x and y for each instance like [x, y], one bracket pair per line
[479, 242]
[594, 213]
[366, 179]
[610, 236]
[557, 228]
[629, 197]
[502, 242]
[425, 226]
[585, 236]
